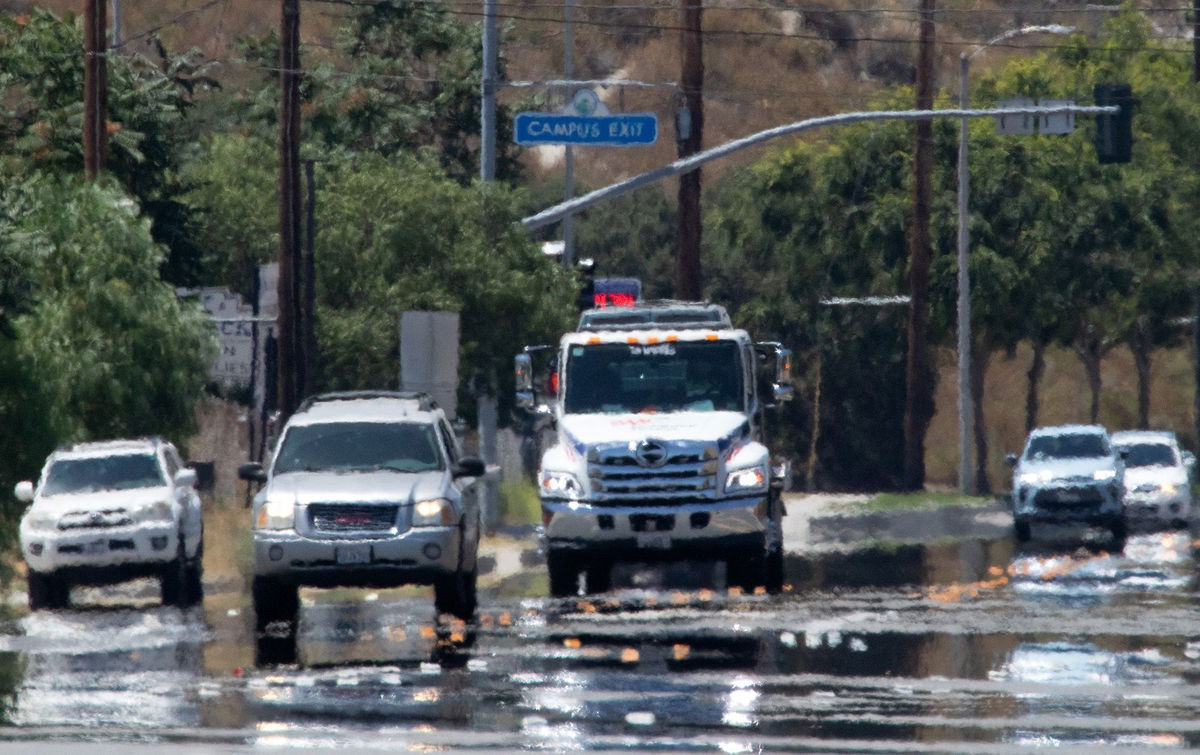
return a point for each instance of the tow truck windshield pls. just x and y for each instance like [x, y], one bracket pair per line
[620, 378]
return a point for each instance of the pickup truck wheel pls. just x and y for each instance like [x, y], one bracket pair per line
[599, 576]
[564, 574]
[1119, 533]
[455, 594]
[47, 591]
[1022, 530]
[276, 621]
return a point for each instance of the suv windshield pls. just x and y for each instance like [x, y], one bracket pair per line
[1150, 455]
[103, 473]
[617, 378]
[1077, 446]
[359, 447]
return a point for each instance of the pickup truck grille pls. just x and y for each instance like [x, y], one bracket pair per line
[618, 478]
[89, 520]
[346, 517]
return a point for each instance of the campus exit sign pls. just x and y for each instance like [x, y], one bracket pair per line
[586, 121]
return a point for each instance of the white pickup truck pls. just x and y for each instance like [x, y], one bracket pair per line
[659, 453]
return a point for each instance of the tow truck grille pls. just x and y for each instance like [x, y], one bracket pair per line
[618, 478]
[342, 517]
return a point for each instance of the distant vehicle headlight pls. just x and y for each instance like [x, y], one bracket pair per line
[276, 514]
[561, 484]
[746, 480]
[1104, 474]
[1032, 478]
[1168, 488]
[436, 512]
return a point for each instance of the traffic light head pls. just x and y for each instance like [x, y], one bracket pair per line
[1114, 131]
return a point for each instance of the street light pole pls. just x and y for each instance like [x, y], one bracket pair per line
[966, 409]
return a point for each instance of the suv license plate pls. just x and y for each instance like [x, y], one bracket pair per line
[353, 554]
[656, 540]
[94, 547]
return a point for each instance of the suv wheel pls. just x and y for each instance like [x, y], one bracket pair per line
[47, 591]
[173, 580]
[276, 621]
[193, 577]
[455, 594]
[1022, 530]
[564, 574]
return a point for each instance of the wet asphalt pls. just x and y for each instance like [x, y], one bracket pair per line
[965, 644]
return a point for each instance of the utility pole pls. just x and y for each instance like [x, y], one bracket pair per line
[95, 88]
[487, 109]
[918, 406]
[308, 309]
[689, 134]
[1196, 300]
[291, 377]
[568, 223]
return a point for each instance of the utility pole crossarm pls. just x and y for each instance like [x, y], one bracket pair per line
[687, 164]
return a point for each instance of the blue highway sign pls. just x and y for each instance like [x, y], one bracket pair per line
[615, 130]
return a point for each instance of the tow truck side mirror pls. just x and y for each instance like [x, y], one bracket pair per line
[527, 381]
[523, 367]
[777, 363]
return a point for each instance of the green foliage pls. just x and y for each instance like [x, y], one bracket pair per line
[519, 503]
[396, 235]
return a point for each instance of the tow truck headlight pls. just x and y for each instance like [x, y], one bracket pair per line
[436, 512]
[1104, 474]
[276, 514]
[746, 480]
[561, 485]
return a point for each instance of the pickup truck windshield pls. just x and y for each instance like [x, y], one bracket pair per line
[359, 447]
[86, 475]
[617, 378]
[1076, 446]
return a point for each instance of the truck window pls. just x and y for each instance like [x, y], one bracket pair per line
[618, 378]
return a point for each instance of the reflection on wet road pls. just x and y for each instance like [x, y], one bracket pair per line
[972, 646]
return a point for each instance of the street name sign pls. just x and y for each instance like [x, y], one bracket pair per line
[587, 122]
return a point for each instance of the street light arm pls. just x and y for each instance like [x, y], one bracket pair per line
[1021, 31]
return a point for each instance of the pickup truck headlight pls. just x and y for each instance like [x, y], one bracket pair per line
[746, 480]
[561, 485]
[276, 514]
[436, 512]
[1104, 474]
[155, 512]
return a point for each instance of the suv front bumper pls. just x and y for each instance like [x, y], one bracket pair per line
[1079, 503]
[417, 556]
[119, 549]
[649, 532]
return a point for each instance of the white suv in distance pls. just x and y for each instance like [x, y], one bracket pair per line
[1158, 477]
[365, 489]
[110, 511]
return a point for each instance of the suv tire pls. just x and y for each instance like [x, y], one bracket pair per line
[564, 574]
[47, 591]
[276, 621]
[1022, 530]
[193, 577]
[455, 594]
[173, 582]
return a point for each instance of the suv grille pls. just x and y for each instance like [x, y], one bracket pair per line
[80, 520]
[619, 478]
[344, 517]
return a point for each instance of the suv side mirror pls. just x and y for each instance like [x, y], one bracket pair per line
[1123, 454]
[470, 466]
[24, 491]
[185, 478]
[1189, 459]
[252, 472]
[1010, 459]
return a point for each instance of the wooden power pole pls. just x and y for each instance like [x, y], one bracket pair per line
[690, 139]
[95, 87]
[290, 343]
[918, 406]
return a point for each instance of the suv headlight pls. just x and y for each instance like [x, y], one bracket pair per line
[1033, 478]
[436, 512]
[276, 514]
[41, 520]
[1104, 474]
[155, 512]
[746, 480]
[561, 485]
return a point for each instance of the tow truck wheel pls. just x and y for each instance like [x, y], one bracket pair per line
[276, 621]
[746, 572]
[599, 576]
[564, 574]
[775, 571]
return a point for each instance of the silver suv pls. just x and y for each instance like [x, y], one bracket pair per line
[365, 489]
[1158, 477]
[106, 512]
[1070, 474]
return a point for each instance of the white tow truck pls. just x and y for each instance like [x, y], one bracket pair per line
[659, 452]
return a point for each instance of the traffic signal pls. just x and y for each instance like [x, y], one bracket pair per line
[586, 299]
[1114, 131]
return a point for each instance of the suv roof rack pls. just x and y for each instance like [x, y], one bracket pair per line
[677, 314]
[75, 445]
[424, 401]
